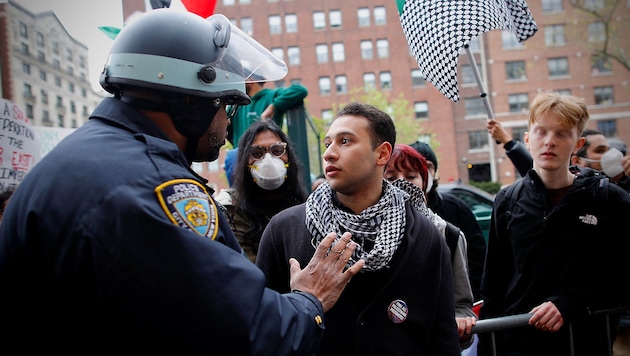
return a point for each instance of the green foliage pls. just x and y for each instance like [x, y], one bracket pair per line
[408, 128]
[490, 187]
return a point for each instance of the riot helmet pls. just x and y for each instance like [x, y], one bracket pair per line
[191, 65]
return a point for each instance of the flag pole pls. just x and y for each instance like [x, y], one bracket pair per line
[486, 103]
[483, 94]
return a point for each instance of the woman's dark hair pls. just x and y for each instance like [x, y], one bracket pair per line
[258, 204]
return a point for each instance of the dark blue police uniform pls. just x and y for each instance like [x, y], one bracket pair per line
[113, 244]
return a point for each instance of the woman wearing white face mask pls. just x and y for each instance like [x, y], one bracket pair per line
[267, 179]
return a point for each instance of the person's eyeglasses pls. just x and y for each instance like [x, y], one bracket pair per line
[231, 111]
[277, 149]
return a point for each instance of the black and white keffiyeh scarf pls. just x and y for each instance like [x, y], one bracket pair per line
[416, 196]
[377, 230]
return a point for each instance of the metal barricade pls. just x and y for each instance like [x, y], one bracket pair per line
[520, 320]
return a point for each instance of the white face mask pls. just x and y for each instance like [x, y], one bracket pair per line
[611, 162]
[269, 172]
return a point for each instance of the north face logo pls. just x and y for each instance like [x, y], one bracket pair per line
[588, 219]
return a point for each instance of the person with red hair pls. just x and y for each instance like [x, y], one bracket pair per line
[408, 170]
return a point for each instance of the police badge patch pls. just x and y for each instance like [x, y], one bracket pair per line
[187, 204]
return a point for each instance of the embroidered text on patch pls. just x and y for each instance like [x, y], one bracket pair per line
[589, 219]
[187, 204]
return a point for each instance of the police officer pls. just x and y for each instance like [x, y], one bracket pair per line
[113, 244]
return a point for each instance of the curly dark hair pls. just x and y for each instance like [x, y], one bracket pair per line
[258, 204]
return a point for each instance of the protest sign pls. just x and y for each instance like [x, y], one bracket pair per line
[19, 148]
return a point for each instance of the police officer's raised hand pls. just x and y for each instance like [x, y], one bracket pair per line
[324, 276]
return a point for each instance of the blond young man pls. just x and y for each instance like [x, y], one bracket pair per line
[554, 245]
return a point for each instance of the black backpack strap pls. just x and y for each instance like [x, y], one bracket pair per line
[511, 194]
[452, 237]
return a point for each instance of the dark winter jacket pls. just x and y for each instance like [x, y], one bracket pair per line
[361, 323]
[570, 255]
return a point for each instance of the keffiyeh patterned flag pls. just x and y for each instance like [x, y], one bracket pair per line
[438, 29]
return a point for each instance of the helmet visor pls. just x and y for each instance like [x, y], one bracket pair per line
[257, 62]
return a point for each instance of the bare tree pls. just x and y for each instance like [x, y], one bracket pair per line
[612, 40]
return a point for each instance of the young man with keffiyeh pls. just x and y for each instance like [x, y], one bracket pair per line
[402, 301]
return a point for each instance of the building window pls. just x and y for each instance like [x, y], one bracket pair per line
[417, 79]
[607, 127]
[294, 55]
[327, 116]
[56, 64]
[380, 15]
[55, 47]
[24, 48]
[319, 20]
[421, 109]
[28, 91]
[42, 75]
[364, 16]
[338, 53]
[275, 25]
[23, 30]
[29, 111]
[474, 106]
[244, 2]
[84, 92]
[26, 68]
[515, 70]
[518, 102]
[322, 53]
[594, 4]
[59, 102]
[73, 107]
[369, 81]
[564, 91]
[558, 66]
[551, 5]
[386, 80]
[324, 85]
[69, 54]
[603, 95]
[366, 49]
[335, 18]
[509, 40]
[341, 84]
[290, 22]
[600, 64]
[58, 81]
[45, 116]
[596, 32]
[41, 56]
[382, 48]
[40, 39]
[44, 95]
[70, 70]
[71, 87]
[468, 76]
[478, 140]
[228, 2]
[518, 133]
[247, 25]
[554, 35]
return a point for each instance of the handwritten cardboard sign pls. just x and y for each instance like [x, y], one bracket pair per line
[19, 147]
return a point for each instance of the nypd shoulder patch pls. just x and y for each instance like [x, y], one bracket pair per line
[187, 203]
